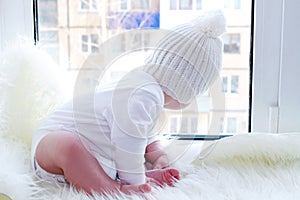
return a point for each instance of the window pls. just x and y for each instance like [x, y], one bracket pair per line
[230, 84]
[134, 4]
[48, 13]
[234, 84]
[185, 4]
[232, 43]
[173, 4]
[78, 35]
[124, 4]
[51, 37]
[183, 124]
[140, 4]
[90, 43]
[199, 4]
[194, 125]
[88, 5]
[231, 125]
[232, 4]
[173, 125]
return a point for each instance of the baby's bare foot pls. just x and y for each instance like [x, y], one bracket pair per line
[128, 189]
[164, 176]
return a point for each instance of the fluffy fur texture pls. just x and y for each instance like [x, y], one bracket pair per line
[31, 85]
[250, 166]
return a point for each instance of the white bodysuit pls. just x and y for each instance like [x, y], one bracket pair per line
[115, 123]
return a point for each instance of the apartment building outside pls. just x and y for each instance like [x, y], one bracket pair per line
[74, 31]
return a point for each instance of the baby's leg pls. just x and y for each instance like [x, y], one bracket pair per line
[164, 176]
[63, 153]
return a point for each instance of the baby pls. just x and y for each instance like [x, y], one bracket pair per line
[101, 144]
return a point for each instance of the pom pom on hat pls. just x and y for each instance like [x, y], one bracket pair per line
[188, 59]
[211, 24]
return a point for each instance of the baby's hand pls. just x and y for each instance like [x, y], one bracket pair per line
[161, 162]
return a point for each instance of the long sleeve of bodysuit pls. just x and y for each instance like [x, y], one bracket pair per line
[131, 128]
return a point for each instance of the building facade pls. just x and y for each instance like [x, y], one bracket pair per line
[75, 31]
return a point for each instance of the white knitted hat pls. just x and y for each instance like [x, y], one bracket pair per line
[188, 59]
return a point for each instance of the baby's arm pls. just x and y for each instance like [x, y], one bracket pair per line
[156, 155]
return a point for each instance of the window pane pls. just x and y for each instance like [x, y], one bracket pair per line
[234, 84]
[184, 125]
[48, 13]
[84, 4]
[237, 4]
[173, 125]
[231, 125]
[194, 125]
[95, 43]
[84, 43]
[232, 4]
[199, 4]
[231, 43]
[51, 37]
[225, 84]
[94, 4]
[140, 4]
[185, 4]
[123, 4]
[173, 4]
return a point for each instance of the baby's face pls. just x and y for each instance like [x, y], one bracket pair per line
[173, 104]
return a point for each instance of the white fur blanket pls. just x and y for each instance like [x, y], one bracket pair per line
[250, 166]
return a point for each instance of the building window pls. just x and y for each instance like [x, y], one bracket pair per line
[52, 41]
[134, 4]
[194, 125]
[124, 4]
[48, 13]
[232, 4]
[198, 4]
[90, 43]
[184, 124]
[140, 4]
[230, 84]
[88, 5]
[173, 4]
[185, 4]
[225, 84]
[234, 84]
[173, 125]
[231, 125]
[232, 43]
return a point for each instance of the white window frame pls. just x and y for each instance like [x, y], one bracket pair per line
[275, 100]
[16, 19]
